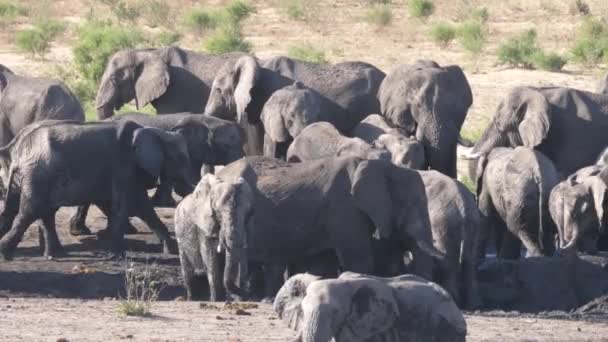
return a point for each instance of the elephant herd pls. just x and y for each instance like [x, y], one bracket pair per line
[326, 170]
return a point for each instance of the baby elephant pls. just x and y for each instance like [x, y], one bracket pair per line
[322, 140]
[405, 151]
[210, 224]
[513, 187]
[577, 206]
[357, 307]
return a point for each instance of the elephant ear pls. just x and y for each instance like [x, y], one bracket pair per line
[148, 150]
[536, 112]
[373, 311]
[152, 80]
[245, 76]
[203, 215]
[272, 118]
[370, 190]
[288, 301]
[482, 163]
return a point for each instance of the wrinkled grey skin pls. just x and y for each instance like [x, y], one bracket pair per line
[210, 141]
[172, 79]
[431, 103]
[323, 140]
[357, 307]
[210, 224]
[455, 223]
[566, 125]
[240, 91]
[24, 100]
[55, 164]
[303, 209]
[291, 109]
[603, 85]
[405, 151]
[513, 188]
[577, 206]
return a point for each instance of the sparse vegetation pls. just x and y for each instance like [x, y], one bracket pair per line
[37, 40]
[518, 50]
[166, 38]
[158, 13]
[443, 33]
[199, 20]
[379, 15]
[141, 291]
[9, 11]
[226, 39]
[548, 61]
[420, 8]
[472, 37]
[579, 7]
[591, 44]
[124, 11]
[307, 52]
[295, 9]
[480, 14]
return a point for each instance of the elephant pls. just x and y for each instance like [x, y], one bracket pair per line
[577, 206]
[603, 85]
[55, 164]
[24, 100]
[339, 204]
[289, 111]
[566, 125]
[240, 91]
[455, 223]
[322, 140]
[212, 221]
[429, 102]
[210, 141]
[405, 151]
[513, 188]
[172, 79]
[358, 307]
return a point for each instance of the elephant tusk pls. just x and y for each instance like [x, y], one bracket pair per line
[471, 156]
[569, 245]
[219, 247]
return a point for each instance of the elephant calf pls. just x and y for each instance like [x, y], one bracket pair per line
[577, 206]
[209, 223]
[513, 187]
[322, 140]
[405, 151]
[356, 307]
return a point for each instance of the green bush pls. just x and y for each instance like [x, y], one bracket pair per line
[480, 14]
[518, 50]
[9, 11]
[126, 11]
[37, 41]
[158, 13]
[549, 62]
[200, 20]
[420, 8]
[295, 9]
[471, 36]
[238, 11]
[307, 53]
[591, 43]
[227, 38]
[166, 38]
[96, 42]
[443, 33]
[379, 15]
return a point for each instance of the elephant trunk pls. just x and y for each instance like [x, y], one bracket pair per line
[490, 139]
[566, 245]
[235, 271]
[105, 100]
[316, 327]
[440, 142]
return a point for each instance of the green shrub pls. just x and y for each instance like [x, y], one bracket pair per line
[167, 38]
[518, 50]
[379, 15]
[37, 41]
[420, 8]
[126, 11]
[591, 43]
[295, 9]
[579, 7]
[96, 42]
[227, 38]
[9, 11]
[200, 20]
[471, 36]
[443, 33]
[480, 14]
[142, 289]
[238, 11]
[307, 53]
[158, 13]
[549, 62]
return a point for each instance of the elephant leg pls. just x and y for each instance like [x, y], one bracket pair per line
[450, 279]
[273, 280]
[194, 284]
[77, 222]
[349, 233]
[270, 147]
[11, 209]
[52, 245]
[215, 271]
[522, 225]
[532, 247]
[422, 263]
[510, 245]
[146, 212]
[469, 287]
[163, 196]
[105, 233]
[10, 240]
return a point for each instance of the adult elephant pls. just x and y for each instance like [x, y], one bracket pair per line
[240, 91]
[172, 79]
[336, 204]
[431, 103]
[24, 100]
[566, 125]
[358, 308]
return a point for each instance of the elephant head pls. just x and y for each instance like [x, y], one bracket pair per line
[404, 151]
[358, 148]
[141, 74]
[223, 211]
[523, 118]
[395, 200]
[286, 113]
[431, 103]
[577, 206]
[354, 310]
[5, 73]
[157, 151]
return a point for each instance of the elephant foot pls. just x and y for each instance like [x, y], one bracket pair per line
[55, 252]
[79, 229]
[163, 201]
[130, 229]
[6, 252]
[267, 300]
[170, 246]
